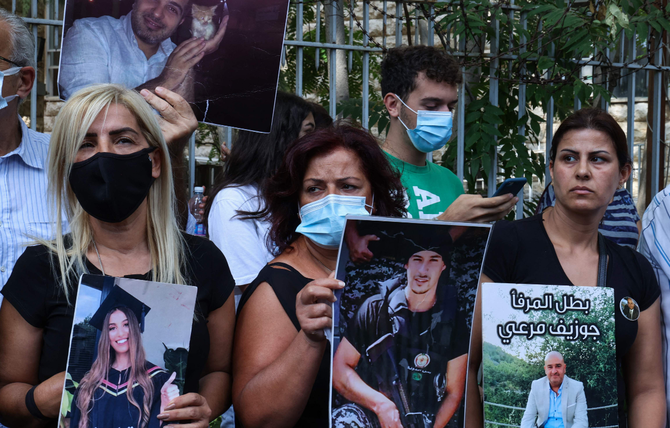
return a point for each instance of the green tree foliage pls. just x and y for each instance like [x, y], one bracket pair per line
[542, 51]
[540, 44]
[507, 381]
[315, 73]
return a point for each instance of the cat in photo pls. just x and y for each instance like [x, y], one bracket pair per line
[203, 21]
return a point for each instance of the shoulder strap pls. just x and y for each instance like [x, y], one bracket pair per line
[602, 261]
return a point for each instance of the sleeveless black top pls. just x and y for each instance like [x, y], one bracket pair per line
[286, 282]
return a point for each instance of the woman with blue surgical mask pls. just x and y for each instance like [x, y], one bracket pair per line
[281, 356]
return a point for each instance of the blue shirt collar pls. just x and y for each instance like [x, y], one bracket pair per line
[560, 389]
[28, 149]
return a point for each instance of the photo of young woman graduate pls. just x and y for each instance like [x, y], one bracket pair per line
[122, 389]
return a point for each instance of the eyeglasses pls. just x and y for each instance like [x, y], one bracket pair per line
[9, 61]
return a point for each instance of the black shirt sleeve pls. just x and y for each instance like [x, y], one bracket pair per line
[502, 251]
[30, 285]
[208, 265]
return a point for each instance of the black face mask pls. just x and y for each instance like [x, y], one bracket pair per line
[110, 187]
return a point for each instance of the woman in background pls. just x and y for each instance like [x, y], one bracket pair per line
[253, 159]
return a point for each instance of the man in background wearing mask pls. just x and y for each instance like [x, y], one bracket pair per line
[419, 86]
[24, 212]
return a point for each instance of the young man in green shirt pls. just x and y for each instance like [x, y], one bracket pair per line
[419, 86]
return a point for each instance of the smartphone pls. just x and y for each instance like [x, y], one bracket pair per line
[511, 185]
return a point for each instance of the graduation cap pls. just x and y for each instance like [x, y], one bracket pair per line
[119, 298]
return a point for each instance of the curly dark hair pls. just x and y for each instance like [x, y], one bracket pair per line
[598, 120]
[282, 191]
[401, 66]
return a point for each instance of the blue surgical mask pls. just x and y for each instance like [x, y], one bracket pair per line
[9, 72]
[323, 221]
[433, 129]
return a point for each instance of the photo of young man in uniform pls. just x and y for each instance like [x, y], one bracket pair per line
[403, 343]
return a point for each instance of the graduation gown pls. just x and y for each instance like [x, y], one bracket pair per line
[111, 408]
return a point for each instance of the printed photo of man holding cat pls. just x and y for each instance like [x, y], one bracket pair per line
[136, 50]
[222, 56]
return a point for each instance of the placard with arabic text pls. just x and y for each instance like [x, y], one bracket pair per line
[543, 338]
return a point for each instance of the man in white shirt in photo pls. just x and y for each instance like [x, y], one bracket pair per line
[134, 50]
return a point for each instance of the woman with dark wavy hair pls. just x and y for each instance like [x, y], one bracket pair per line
[281, 356]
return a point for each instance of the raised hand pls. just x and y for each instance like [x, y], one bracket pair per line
[358, 245]
[212, 44]
[176, 120]
[181, 61]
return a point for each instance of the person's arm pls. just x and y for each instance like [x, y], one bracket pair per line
[581, 415]
[84, 60]
[214, 396]
[348, 383]
[178, 123]
[19, 362]
[530, 414]
[476, 208]
[456, 373]
[177, 75]
[275, 366]
[357, 244]
[645, 390]
[212, 45]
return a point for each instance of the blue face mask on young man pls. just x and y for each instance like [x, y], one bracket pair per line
[9, 72]
[433, 129]
[323, 221]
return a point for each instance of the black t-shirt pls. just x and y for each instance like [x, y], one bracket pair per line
[286, 282]
[32, 289]
[422, 344]
[521, 252]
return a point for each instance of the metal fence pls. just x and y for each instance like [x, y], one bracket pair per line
[391, 17]
[521, 410]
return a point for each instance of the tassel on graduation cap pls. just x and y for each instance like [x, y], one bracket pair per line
[119, 298]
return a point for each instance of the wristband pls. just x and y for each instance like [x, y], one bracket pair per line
[32, 406]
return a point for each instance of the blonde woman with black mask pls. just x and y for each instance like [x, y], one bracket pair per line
[109, 170]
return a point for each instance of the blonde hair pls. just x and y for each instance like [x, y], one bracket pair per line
[72, 123]
[105, 360]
